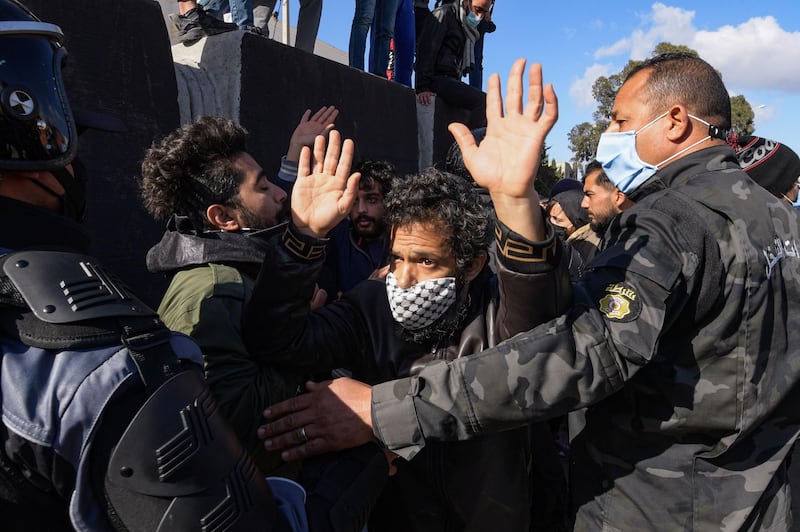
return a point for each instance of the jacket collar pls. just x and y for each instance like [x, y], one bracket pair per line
[679, 172]
[182, 246]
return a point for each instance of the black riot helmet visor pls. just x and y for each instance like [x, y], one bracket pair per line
[37, 129]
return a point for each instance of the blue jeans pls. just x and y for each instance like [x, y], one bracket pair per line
[241, 10]
[404, 42]
[362, 20]
[382, 33]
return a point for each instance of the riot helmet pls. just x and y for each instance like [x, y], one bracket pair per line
[37, 129]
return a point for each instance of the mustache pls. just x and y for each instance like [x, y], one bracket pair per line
[364, 218]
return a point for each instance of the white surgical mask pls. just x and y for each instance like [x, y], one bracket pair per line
[420, 305]
[621, 163]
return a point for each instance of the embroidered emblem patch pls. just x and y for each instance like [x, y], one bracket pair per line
[620, 303]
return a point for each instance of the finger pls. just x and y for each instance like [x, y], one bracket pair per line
[350, 193]
[494, 99]
[333, 153]
[311, 448]
[305, 116]
[330, 115]
[286, 425]
[289, 406]
[533, 110]
[319, 153]
[514, 95]
[304, 164]
[320, 112]
[319, 299]
[465, 139]
[551, 109]
[345, 159]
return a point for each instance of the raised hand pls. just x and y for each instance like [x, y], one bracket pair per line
[508, 157]
[332, 416]
[309, 127]
[324, 190]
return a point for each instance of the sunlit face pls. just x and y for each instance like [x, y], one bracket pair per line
[261, 203]
[599, 202]
[420, 252]
[479, 7]
[366, 215]
[631, 112]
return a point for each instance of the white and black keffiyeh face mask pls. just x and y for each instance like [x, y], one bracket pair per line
[420, 305]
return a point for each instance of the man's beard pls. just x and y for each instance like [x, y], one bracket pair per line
[444, 327]
[600, 224]
[374, 232]
[251, 220]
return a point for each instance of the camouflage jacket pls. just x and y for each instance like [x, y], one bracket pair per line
[682, 342]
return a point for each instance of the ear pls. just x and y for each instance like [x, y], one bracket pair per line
[618, 198]
[222, 217]
[680, 123]
[475, 266]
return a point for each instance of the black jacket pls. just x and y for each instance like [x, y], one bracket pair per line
[472, 484]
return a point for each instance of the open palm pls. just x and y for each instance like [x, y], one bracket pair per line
[324, 190]
[507, 159]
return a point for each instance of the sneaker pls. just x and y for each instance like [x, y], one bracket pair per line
[189, 29]
[212, 25]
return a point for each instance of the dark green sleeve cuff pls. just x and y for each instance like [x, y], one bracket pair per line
[302, 246]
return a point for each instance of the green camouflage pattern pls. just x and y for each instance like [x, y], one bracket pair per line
[682, 343]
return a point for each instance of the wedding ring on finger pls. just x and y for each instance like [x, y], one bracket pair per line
[303, 435]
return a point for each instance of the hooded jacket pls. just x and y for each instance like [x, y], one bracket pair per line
[212, 278]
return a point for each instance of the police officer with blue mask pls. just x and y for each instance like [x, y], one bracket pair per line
[771, 164]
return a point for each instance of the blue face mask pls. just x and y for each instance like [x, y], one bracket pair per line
[621, 163]
[473, 19]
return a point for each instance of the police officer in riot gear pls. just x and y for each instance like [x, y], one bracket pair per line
[106, 420]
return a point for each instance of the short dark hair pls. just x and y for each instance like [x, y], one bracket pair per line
[192, 168]
[602, 179]
[679, 77]
[381, 172]
[436, 196]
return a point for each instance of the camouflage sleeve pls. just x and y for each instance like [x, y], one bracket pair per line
[613, 328]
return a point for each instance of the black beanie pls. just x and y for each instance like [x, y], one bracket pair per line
[570, 201]
[771, 164]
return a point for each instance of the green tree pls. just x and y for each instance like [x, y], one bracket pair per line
[666, 48]
[583, 138]
[742, 116]
[548, 174]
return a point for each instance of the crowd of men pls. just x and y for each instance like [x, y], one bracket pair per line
[344, 350]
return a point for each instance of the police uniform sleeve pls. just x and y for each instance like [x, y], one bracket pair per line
[631, 293]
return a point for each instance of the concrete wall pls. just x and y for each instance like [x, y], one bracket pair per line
[121, 62]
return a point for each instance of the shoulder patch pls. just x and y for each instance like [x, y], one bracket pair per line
[620, 303]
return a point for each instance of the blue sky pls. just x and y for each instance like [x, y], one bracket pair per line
[756, 46]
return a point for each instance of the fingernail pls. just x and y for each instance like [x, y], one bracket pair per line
[267, 412]
[268, 443]
[285, 456]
